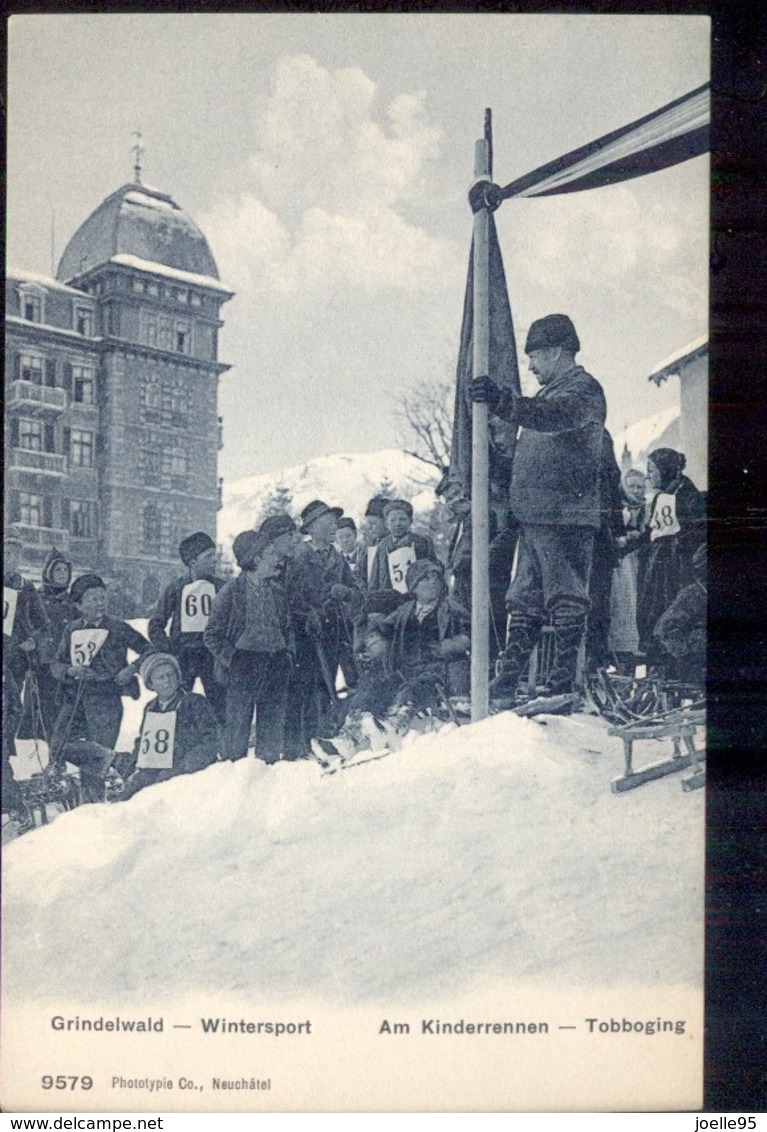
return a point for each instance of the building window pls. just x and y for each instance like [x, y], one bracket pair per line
[33, 308]
[183, 337]
[153, 289]
[149, 327]
[83, 385]
[138, 286]
[153, 394]
[31, 435]
[174, 461]
[152, 460]
[30, 509]
[151, 530]
[81, 448]
[84, 321]
[81, 518]
[165, 334]
[31, 368]
[195, 299]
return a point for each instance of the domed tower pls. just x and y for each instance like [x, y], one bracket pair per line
[155, 300]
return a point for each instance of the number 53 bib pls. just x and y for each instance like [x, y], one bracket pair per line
[196, 602]
[158, 737]
[84, 644]
[399, 560]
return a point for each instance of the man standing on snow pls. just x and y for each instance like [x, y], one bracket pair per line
[555, 497]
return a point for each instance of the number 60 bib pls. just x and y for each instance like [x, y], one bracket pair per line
[196, 602]
[158, 737]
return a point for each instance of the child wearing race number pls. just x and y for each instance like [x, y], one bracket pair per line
[181, 617]
[675, 529]
[91, 664]
[178, 732]
[400, 548]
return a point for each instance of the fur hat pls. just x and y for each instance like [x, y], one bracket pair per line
[398, 505]
[248, 548]
[552, 330]
[347, 522]
[149, 663]
[85, 582]
[276, 525]
[194, 545]
[419, 569]
[669, 463]
[54, 558]
[376, 506]
[314, 511]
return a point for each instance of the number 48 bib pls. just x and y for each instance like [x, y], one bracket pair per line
[158, 737]
[196, 602]
[664, 521]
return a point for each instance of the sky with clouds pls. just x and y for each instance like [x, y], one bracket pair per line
[327, 159]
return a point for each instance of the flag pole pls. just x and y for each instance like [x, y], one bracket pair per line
[480, 498]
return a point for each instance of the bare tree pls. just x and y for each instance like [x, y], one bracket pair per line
[425, 419]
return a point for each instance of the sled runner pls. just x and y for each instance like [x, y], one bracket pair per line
[649, 708]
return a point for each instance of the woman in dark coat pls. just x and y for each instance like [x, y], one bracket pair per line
[675, 529]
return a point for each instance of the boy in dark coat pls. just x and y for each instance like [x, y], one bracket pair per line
[60, 610]
[394, 553]
[249, 636]
[373, 531]
[324, 603]
[186, 605]
[178, 731]
[422, 648]
[24, 620]
[91, 664]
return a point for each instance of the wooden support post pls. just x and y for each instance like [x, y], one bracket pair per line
[480, 496]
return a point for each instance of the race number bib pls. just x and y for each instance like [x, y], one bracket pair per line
[399, 560]
[196, 602]
[10, 598]
[158, 737]
[664, 521]
[371, 559]
[85, 644]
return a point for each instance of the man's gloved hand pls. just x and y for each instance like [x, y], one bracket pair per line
[483, 390]
[485, 194]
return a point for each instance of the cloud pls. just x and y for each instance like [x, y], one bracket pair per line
[612, 240]
[330, 186]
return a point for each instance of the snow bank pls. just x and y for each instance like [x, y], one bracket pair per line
[495, 849]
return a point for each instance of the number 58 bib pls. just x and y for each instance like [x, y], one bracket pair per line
[158, 737]
[196, 602]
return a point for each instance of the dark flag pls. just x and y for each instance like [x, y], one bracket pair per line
[503, 369]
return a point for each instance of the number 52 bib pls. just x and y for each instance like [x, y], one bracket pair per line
[158, 737]
[399, 560]
[196, 602]
[84, 644]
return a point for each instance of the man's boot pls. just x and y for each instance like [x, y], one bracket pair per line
[524, 633]
[569, 622]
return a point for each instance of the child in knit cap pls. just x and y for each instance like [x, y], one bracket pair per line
[178, 732]
[394, 554]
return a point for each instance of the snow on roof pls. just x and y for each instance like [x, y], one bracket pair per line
[171, 273]
[17, 275]
[674, 362]
[16, 320]
[640, 436]
[162, 202]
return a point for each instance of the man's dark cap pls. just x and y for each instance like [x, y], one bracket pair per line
[552, 330]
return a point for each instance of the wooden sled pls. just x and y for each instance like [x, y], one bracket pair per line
[680, 729]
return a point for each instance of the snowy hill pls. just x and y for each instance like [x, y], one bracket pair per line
[495, 850]
[345, 480]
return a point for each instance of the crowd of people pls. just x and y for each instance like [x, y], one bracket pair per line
[329, 638]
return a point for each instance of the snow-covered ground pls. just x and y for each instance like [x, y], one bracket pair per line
[495, 850]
